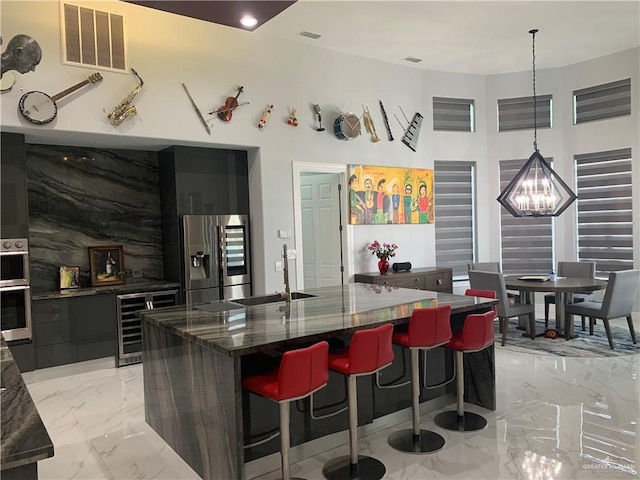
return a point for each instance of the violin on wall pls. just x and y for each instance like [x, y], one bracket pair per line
[225, 112]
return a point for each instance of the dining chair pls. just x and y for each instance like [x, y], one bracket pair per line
[485, 266]
[570, 269]
[493, 267]
[506, 309]
[619, 297]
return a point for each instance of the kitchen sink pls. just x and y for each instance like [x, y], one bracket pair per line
[250, 301]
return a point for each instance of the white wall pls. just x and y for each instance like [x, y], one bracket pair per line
[212, 60]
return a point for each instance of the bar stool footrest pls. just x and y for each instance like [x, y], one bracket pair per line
[405, 441]
[340, 468]
[468, 422]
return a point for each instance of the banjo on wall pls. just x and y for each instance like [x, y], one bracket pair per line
[39, 108]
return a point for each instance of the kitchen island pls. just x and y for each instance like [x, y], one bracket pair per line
[193, 359]
[25, 440]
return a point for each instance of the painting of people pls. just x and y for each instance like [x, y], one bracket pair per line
[390, 195]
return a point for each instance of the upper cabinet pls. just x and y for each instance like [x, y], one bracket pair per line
[14, 213]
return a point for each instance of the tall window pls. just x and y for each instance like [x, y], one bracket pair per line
[453, 114]
[454, 211]
[605, 209]
[527, 243]
[602, 101]
[517, 113]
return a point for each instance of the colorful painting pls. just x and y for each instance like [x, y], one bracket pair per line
[390, 195]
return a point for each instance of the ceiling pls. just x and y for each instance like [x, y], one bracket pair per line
[474, 37]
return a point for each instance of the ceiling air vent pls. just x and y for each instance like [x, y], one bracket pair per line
[314, 36]
[92, 37]
[412, 59]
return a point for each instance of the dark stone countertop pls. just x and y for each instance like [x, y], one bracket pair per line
[24, 438]
[236, 330]
[131, 287]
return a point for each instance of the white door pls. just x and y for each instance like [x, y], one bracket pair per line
[320, 220]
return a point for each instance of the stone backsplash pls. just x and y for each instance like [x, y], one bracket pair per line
[81, 197]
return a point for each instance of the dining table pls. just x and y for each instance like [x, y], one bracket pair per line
[563, 287]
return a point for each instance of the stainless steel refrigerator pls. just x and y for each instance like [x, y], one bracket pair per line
[215, 257]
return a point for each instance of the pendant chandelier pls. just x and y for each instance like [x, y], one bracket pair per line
[536, 190]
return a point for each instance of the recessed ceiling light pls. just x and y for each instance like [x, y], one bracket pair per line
[248, 21]
[412, 59]
[314, 36]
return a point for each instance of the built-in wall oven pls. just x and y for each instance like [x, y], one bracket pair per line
[15, 290]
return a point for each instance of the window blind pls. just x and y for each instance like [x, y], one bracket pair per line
[517, 113]
[454, 211]
[453, 114]
[526, 242]
[602, 101]
[605, 209]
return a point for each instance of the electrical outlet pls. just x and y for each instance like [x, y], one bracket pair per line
[291, 253]
[278, 266]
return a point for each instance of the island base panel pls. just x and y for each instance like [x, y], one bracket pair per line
[190, 402]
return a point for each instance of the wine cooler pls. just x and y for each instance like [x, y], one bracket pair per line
[130, 325]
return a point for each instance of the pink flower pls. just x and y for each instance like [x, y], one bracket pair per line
[384, 250]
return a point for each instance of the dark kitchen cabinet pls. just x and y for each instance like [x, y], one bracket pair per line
[14, 216]
[198, 181]
[68, 330]
[95, 326]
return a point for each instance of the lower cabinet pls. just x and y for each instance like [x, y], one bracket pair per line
[74, 329]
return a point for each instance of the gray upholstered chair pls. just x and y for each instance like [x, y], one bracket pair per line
[495, 281]
[570, 269]
[619, 297]
[485, 266]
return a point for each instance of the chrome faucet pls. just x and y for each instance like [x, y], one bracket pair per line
[285, 269]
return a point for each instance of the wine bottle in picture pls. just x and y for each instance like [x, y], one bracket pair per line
[110, 265]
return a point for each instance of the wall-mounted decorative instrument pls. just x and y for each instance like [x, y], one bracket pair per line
[7, 81]
[125, 109]
[23, 54]
[195, 107]
[265, 117]
[318, 111]
[410, 137]
[346, 126]
[368, 123]
[39, 108]
[292, 120]
[386, 121]
[225, 112]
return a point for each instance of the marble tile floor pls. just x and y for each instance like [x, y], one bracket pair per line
[557, 417]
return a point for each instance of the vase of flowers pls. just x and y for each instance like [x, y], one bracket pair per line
[383, 251]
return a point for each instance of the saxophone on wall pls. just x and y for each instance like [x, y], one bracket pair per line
[125, 109]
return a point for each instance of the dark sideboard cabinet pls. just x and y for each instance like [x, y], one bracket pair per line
[14, 211]
[430, 278]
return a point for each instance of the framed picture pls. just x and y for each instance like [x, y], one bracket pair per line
[107, 265]
[69, 277]
[390, 195]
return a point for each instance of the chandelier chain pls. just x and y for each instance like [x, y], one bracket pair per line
[535, 103]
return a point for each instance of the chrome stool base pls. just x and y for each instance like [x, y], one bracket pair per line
[468, 422]
[405, 441]
[341, 468]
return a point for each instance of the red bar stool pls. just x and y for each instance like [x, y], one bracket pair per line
[477, 334]
[300, 374]
[369, 351]
[428, 328]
